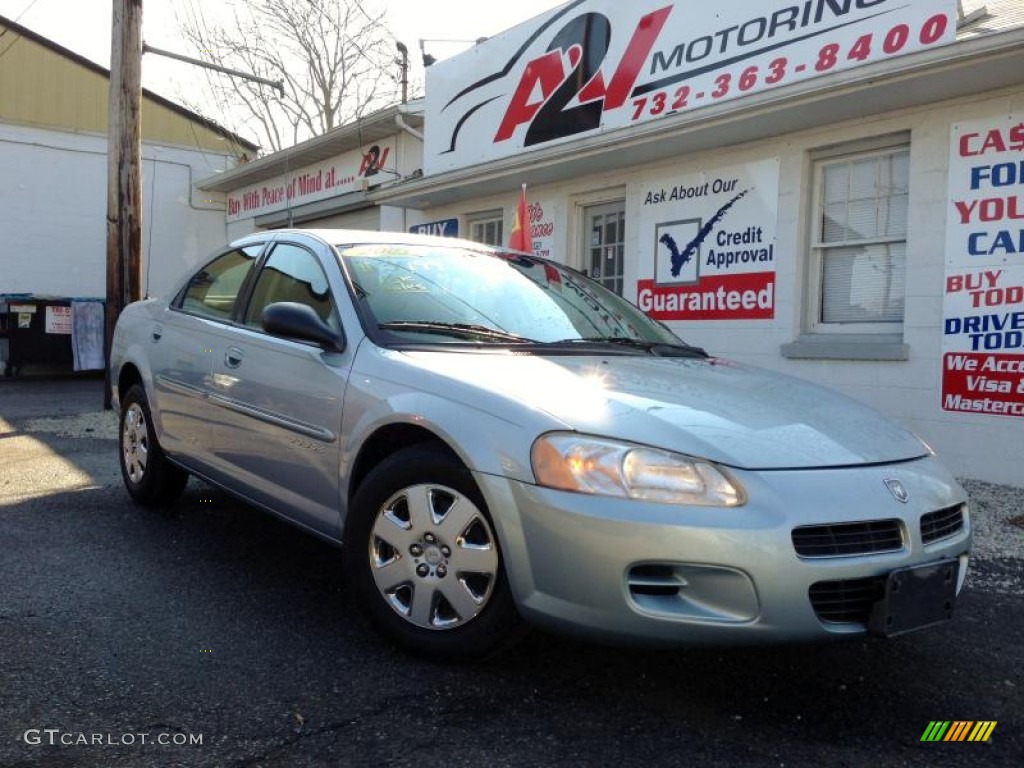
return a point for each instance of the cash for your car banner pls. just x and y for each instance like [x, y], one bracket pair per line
[707, 244]
[983, 339]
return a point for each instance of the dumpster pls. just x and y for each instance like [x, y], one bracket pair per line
[41, 331]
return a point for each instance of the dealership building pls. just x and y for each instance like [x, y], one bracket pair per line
[829, 188]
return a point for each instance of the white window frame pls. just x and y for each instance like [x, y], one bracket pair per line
[578, 236]
[820, 160]
[619, 208]
[482, 219]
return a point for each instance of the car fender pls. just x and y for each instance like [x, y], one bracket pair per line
[493, 448]
[483, 441]
[129, 348]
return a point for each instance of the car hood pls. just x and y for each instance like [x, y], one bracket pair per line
[730, 413]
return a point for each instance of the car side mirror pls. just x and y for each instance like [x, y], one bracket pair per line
[298, 321]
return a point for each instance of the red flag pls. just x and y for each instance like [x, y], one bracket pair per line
[519, 239]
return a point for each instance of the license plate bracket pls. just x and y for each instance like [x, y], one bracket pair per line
[915, 597]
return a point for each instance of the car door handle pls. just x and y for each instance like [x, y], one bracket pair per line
[158, 332]
[233, 357]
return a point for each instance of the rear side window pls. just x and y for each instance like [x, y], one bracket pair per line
[291, 274]
[213, 291]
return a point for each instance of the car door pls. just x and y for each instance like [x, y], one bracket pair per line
[280, 400]
[182, 352]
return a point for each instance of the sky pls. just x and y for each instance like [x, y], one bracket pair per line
[84, 27]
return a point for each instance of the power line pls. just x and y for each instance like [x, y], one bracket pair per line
[21, 15]
[16, 20]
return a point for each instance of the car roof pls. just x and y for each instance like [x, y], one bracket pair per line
[359, 236]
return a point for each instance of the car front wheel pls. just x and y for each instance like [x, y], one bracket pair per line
[149, 477]
[421, 551]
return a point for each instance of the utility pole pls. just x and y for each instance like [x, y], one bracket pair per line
[403, 64]
[124, 170]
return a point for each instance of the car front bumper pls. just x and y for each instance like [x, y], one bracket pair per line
[624, 570]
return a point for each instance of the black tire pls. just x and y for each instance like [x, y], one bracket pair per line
[150, 478]
[450, 597]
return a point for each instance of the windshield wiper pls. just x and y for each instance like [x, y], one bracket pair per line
[462, 330]
[656, 348]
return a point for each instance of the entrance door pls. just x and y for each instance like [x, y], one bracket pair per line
[604, 238]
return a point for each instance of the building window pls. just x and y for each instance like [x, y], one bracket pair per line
[488, 228]
[859, 242]
[605, 238]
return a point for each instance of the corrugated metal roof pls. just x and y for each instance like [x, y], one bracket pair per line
[987, 16]
[36, 69]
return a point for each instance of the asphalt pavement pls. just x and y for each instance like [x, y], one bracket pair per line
[218, 636]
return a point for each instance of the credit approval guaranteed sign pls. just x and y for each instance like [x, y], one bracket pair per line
[710, 237]
[590, 66]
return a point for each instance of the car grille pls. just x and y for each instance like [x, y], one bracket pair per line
[847, 601]
[846, 539]
[942, 524]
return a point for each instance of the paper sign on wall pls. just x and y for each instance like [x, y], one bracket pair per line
[541, 214]
[58, 320]
[983, 327]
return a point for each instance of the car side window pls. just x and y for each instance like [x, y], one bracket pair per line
[213, 291]
[291, 274]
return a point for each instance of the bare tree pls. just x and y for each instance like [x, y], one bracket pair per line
[336, 59]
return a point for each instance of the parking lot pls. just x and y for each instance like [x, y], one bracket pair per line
[218, 636]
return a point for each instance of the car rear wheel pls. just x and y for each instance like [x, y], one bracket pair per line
[149, 477]
[421, 552]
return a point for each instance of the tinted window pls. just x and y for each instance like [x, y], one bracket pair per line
[213, 291]
[291, 274]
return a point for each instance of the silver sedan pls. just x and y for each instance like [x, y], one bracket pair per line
[493, 438]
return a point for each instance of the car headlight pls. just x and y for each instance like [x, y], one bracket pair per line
[584, 464]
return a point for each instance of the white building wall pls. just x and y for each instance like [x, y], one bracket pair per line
[180, 224]
[394, 219]
[976, 446]
[53, 207]
[237, 229]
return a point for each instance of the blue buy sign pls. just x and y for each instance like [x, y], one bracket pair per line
[442, 228]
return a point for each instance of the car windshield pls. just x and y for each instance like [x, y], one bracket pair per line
[438, 294]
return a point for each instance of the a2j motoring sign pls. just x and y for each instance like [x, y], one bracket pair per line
[983, 341]
[709, 242]
[591, 66]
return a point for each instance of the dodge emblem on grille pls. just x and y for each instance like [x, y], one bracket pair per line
[897, 490]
